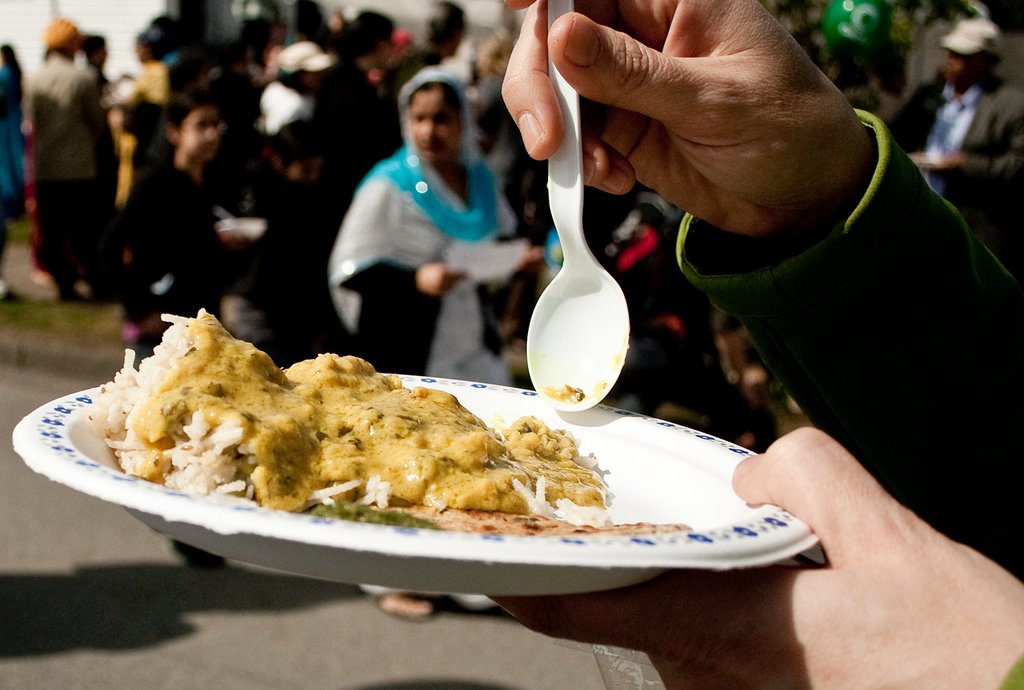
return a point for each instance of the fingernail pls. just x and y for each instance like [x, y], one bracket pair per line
[530, 130]
[615, 178]
[583, 44]
[619, 179]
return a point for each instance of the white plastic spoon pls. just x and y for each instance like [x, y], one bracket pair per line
[579, 331]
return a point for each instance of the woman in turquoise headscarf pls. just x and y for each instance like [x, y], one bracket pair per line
[412, 307]
[12, 141]
[12, 149]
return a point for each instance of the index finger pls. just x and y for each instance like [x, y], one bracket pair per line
[527, 89]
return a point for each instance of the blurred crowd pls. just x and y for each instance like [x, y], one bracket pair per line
[263, 181]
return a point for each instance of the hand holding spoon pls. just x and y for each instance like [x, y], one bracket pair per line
[579, 332]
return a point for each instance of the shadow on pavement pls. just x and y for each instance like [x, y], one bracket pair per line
[99, 608]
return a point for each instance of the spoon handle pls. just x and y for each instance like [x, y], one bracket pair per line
[565, 167]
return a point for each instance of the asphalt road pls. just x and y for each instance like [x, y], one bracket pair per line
[91, 598]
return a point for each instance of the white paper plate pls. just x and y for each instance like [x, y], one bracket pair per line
[656, 472]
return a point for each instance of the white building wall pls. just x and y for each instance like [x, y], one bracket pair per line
[119, 21]
[482, 16]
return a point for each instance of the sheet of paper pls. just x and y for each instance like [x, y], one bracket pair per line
[487, 262]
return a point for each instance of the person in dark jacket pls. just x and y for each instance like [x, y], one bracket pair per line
[357, 121]
[161, 250]
[446, 28]
[966, 132]
[281, 303]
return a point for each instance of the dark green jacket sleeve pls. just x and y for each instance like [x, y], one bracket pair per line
[902, 337]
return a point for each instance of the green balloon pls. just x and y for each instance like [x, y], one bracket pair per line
[857, 28]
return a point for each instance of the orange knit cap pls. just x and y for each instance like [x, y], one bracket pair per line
[61, 34]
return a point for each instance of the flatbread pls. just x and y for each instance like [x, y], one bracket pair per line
[488, 522]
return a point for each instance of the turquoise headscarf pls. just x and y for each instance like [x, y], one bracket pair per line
[417, 179]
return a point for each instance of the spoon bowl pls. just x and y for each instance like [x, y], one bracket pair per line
[579, 332]
[578, 337]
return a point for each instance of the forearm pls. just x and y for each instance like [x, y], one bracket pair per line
[900, 335]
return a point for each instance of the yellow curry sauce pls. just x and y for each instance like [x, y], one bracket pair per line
[333, 419]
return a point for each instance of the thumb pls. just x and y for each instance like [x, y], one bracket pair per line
[613, 68]
[812, 476]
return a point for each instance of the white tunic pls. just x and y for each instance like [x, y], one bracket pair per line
[384, 225]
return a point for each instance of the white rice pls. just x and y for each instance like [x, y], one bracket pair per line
[589, 461]
[564, 509]
[377, 492]
[205, 458]
[575, 514]
[206, 461]
[113, 414]
[434, 502]
[535, 500]
[332, 491]
[327, 494]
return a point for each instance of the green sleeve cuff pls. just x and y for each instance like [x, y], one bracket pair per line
[1015, 679]
[839, 259]
[902, 337]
